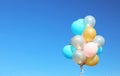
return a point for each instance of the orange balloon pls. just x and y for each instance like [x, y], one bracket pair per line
[89, 34]
[92, 61]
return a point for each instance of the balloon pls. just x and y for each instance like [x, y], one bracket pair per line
[90, 49]
[77, 41]
[99, 51]
[79, 57]
[89, 34]
[99, 40]
[90, 21]
[73, 48]
[78, 26]
[68, 51]
[92, 61]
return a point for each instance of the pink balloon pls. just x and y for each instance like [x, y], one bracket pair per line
[90, 49]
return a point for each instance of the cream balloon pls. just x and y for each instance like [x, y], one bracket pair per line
[78, 42]
[90, 21]
[99, 40]
[79, 57]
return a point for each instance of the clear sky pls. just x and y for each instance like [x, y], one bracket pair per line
[33, 33]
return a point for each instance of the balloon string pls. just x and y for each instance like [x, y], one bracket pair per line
[82, 71]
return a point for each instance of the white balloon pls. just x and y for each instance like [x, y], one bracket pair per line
[78, 41]
[79, 57]
[99, 40]
[90, 21]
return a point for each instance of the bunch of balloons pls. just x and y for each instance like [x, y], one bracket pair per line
[85, 46]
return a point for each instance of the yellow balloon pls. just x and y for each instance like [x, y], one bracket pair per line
[92, 61]
[89, 34]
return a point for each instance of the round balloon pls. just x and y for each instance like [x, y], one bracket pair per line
[99, 40]
[73, 48]
[78, 42]
[68, 51]
[90, 49]
[79, 57]
[89, 34]
[99, 51]
[90, 21]
[78, 26]
[92, 61]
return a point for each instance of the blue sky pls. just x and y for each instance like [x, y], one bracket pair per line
[33, 33]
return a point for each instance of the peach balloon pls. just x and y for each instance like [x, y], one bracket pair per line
[90, 49]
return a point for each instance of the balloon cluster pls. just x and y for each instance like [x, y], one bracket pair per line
[85, 46]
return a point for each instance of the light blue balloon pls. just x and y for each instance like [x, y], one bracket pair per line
[73, 48]
[78, 26]
[68, 51]
[100, 49]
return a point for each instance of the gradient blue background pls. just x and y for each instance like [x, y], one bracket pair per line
[33, 33]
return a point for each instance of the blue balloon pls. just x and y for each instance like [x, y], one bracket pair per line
[99, 50]
[73, 48]
[78, 26]
[68, 51]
